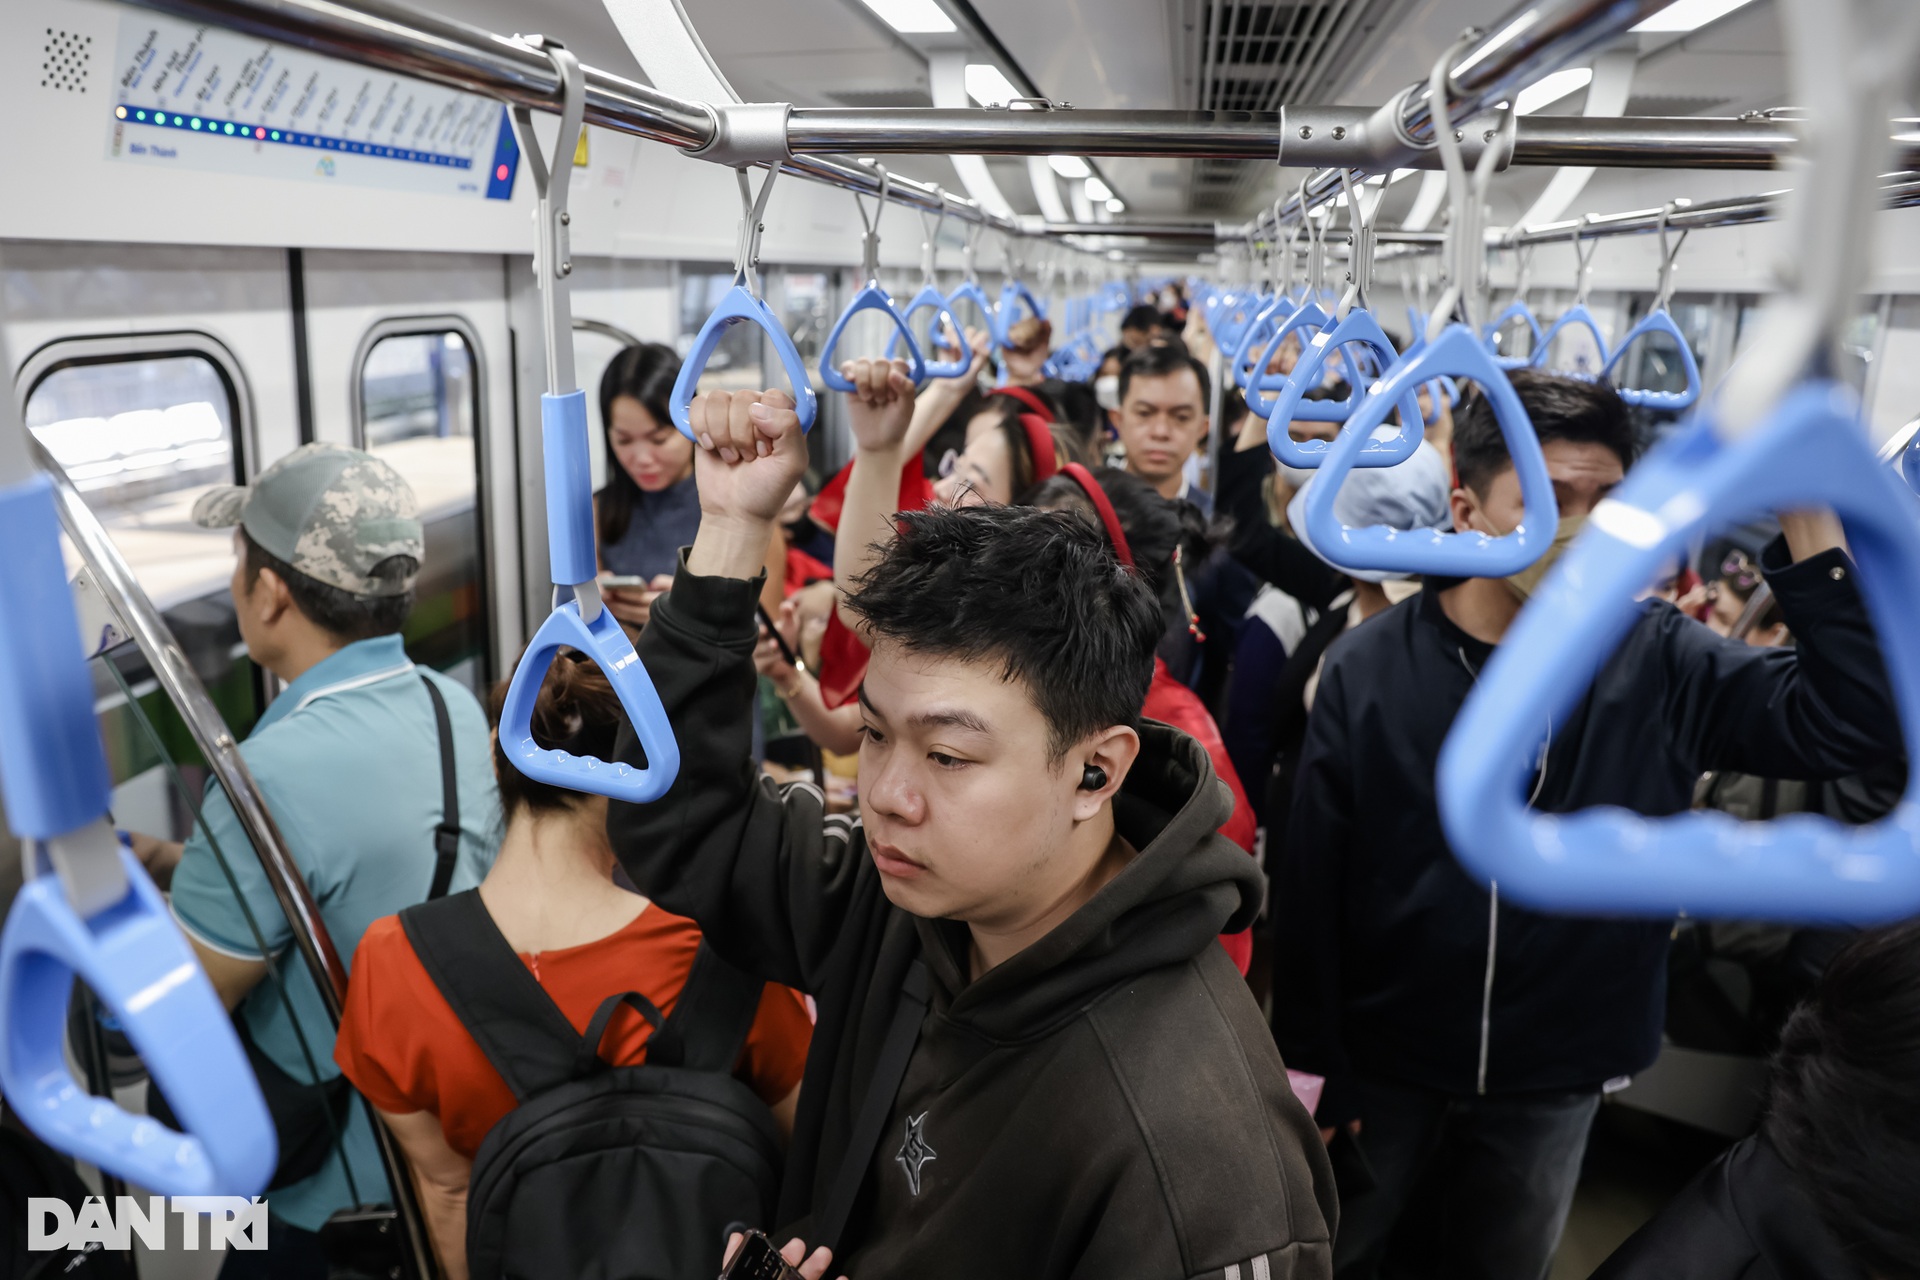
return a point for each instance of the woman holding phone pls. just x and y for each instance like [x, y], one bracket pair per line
[649, 508]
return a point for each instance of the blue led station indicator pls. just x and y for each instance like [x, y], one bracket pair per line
[290, 137]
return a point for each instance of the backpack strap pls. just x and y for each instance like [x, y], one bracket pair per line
[711, 1017]
[446, 836]
[509, 1014]
[895, 1052]
[588, 1059]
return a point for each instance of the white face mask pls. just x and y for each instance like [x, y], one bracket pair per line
[1106, 390]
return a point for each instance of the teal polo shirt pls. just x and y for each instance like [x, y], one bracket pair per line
[348, 760]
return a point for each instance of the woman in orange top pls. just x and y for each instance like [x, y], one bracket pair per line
[552, 894]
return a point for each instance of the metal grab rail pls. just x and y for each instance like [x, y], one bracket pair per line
[1530, 41]
[175, 676]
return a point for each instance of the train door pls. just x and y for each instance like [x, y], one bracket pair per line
[407, 358]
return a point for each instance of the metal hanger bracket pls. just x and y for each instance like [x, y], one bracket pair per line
[747, 133]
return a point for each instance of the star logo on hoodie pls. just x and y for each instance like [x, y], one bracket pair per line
[915, 1152]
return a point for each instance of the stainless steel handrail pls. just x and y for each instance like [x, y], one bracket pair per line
[1526, 43]
[183, 688]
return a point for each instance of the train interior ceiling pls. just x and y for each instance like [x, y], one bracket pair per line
[182, 310]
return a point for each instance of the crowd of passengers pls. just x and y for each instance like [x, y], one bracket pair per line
[1016, 734]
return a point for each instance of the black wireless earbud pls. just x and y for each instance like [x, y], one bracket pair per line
[1092, 778]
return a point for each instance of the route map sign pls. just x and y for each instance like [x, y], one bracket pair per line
[198, 97]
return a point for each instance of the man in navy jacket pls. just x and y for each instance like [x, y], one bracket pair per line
[1466, 1042]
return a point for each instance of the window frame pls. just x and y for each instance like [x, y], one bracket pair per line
[493, 662]
[130, 348]
[416, 327]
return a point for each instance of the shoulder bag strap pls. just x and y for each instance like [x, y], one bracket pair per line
[902, 1033]
[711, 1016]
[504, 1008]
[446, 836]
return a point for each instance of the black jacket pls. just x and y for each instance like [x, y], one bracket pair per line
[1108, 1103]
[1743, 1218]
[1385, 944]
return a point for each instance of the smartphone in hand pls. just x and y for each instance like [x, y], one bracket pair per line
[757, 1259]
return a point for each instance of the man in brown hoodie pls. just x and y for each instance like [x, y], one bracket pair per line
[1032, 1059]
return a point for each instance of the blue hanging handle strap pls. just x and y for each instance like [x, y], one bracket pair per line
[88, 909]
[1608, 861]
[579, 620]
[1578, 313]
[1456, 351]
[1517, 309]
[1660, 320]
[871, 298]
[1765, 444]
[930, 298]
[1359, 329]
[742, 304]
[969, 289]
[1263, 388]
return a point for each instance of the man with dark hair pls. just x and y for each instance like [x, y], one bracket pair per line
[1466, 1042]
[327, 544]
[1031, 1057]
[1140, 324]
[1827, 1186]
[1162, 419]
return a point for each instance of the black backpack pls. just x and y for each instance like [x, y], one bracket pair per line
[602, 1172]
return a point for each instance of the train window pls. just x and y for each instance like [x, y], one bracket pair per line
[735, 364]
[142, 437]
[419, 409]
[417, 386]
[807, 311]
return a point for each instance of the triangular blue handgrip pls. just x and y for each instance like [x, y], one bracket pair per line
[1236, 317]
[871, 298]
[1520, 311]
[1460, 353]
[970, 291]
[737, 305]
[930, 298]
[1607, 861]
[604, 642]
[1575, 314]
[1358, 329]
[1658, 321]
[1910, 462]
[134, 959]
[1007, 313]
[1255, 334]
[1308, 316]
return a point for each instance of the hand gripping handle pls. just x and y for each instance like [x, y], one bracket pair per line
[1522, 312]
[1006, 314]
[930, 298]
[1658, 321]
[1359, 329]
[134, 959]
[1459, 353]
[738, 306]
[1306, 320]
[1575, 314]
[871, 298]
[1607, 861]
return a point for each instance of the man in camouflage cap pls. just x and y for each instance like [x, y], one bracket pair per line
[328, 542]
[332, 513]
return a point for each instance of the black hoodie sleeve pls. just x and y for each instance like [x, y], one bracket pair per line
[1817, 711]
[761, 868]
[1308, 899]
[1270, 554]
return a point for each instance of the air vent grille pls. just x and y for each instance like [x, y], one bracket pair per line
[65, 60]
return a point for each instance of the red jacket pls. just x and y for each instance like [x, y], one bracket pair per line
[1171, 702]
